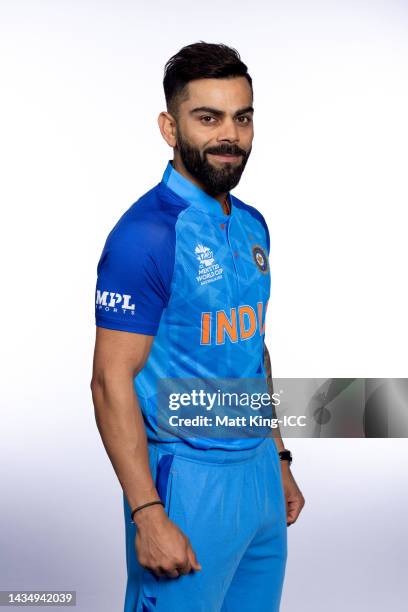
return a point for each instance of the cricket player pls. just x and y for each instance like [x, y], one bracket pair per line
[183, 284]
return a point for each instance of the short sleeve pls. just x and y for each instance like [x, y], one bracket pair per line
[134, 276]
[267, 236]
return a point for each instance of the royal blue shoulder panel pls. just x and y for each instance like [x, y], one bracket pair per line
[136, 267]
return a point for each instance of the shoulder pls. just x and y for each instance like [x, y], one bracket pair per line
[139, 251]
[146, 227]
[249, 209]
[255, 214]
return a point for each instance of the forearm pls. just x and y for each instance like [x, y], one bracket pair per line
[277, 434]
[268, 369]
[121, 426]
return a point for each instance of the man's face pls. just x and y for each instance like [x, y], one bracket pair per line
[215, 132]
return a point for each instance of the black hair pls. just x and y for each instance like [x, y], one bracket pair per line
[199, 60]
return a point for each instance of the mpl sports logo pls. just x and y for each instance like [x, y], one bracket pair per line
[208, 270]
[110, 301]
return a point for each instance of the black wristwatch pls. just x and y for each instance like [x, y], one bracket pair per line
[286, 455]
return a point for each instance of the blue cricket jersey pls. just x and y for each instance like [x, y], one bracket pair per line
[177, 267]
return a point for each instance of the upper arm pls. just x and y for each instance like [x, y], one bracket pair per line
[119, 352]
[133, 288]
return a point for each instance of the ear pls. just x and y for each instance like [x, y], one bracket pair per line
[168, 129]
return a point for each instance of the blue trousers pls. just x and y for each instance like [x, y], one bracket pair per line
[231, 505]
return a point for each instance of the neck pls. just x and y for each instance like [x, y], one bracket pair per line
[222, 198]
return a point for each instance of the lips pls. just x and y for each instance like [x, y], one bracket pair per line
[225, 156]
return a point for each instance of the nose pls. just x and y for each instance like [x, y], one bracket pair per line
[228, 131]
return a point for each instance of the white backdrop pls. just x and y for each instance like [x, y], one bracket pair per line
[81, 89]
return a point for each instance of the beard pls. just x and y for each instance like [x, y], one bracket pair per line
[214, 180]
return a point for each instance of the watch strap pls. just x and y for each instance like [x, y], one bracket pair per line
[286, 455]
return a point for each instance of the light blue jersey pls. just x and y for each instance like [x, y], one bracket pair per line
[177, 267]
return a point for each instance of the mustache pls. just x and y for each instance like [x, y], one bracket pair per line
[227, 151]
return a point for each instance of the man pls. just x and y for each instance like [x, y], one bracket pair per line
[182, 290]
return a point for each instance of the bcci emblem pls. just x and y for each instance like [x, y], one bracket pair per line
[260, 258]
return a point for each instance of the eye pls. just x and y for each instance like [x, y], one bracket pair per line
[203, 117]
[245, 117]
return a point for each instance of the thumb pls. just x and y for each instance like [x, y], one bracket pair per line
[193, 559]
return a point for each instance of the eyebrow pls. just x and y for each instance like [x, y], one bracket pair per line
[219, 113]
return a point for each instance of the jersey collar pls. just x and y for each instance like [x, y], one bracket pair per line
[194, 195]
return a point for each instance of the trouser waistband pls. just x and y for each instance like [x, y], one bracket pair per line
[212, 455]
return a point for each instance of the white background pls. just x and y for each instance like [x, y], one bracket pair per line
[81, 89]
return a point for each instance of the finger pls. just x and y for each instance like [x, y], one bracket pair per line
[170, 572]
[185, 568]
[296, 510]
[156, 571]
[292, 517]
[173, 573]
[193, 559]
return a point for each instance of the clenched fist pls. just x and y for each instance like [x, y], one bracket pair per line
[161, 546]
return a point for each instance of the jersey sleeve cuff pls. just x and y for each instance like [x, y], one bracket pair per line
[129, 326]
